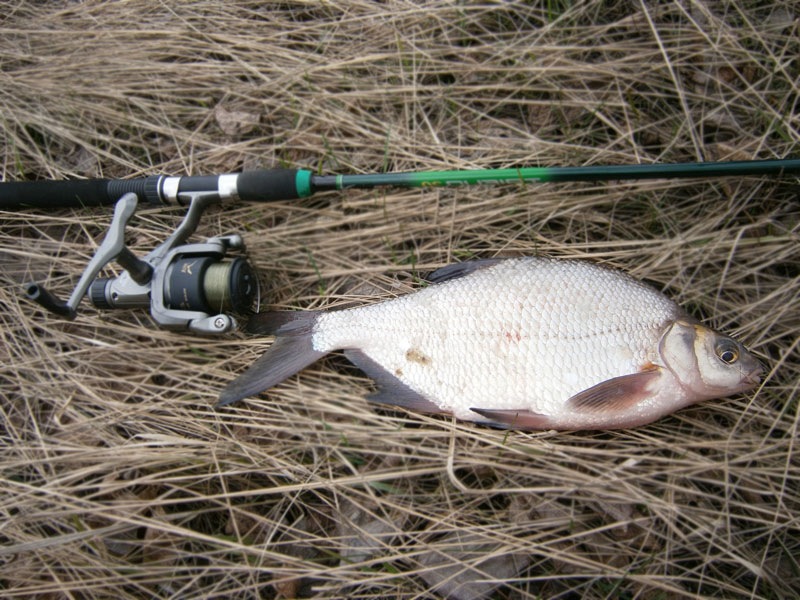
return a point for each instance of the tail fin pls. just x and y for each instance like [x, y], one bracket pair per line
[292, 351]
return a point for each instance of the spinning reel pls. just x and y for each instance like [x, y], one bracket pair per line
[198, 287]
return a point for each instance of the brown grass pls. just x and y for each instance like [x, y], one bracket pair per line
[120, 480]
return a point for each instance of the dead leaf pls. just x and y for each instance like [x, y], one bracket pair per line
[287, 589]
[159, 545]
[236, 121]
[457, 570]
[362, 533]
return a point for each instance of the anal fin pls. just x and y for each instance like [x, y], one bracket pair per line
[391, 390]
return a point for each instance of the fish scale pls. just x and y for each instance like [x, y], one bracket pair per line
[530, 342]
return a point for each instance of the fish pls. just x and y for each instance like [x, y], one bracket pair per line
[529, 343]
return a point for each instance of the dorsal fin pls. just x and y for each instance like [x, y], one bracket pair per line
[282, 322]
[461, 269]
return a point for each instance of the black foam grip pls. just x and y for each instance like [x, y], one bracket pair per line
[267, 185]
[54, 194]
[74, 193]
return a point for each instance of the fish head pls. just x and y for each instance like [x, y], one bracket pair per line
[708, 364]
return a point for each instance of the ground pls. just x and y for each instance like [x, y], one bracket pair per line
[119, 478]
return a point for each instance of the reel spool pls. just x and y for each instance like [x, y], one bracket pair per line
[208, 285]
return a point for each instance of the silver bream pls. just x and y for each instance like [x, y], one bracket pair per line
[528, 343]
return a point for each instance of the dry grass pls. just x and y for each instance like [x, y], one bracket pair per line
[119, 479]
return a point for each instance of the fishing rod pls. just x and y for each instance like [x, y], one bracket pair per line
[200, 287]
[289, 184]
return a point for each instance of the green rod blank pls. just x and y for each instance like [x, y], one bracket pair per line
[779, 167]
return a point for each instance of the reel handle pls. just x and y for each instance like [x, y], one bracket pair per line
[113, 247]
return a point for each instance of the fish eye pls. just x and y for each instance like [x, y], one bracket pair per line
[727, 352]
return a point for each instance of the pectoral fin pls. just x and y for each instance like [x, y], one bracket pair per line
[617, 394]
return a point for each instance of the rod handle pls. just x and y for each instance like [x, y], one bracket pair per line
[76, 193]
[268, 185]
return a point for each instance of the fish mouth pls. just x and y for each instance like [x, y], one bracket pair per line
[753, 377]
